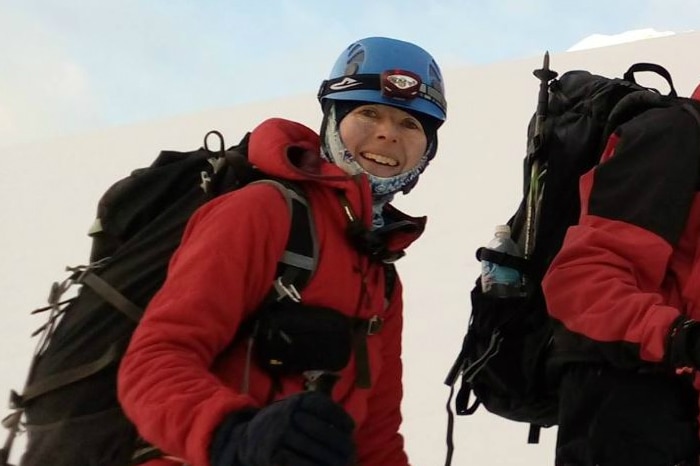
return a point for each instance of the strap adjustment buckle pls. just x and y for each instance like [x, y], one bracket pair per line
[286, 291]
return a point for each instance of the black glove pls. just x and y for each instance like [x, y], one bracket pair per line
[306, 429]
[683, 347]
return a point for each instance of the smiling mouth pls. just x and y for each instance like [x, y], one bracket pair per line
[380, 159]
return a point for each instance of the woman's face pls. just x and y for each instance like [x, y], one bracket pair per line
[384, 140]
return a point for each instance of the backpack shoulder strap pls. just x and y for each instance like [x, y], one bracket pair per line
[300, 258]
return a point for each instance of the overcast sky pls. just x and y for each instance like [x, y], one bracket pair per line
[76, 65]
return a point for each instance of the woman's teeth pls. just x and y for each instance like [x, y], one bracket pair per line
[380, 159]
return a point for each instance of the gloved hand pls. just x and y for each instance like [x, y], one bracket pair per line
[683, 347]
[306, 429]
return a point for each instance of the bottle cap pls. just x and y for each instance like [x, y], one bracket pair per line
[502, 229]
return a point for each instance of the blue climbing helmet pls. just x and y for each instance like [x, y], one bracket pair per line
[390, 72]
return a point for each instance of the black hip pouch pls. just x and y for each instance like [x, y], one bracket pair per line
[291, 338]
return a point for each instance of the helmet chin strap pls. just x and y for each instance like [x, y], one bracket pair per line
[383, 189]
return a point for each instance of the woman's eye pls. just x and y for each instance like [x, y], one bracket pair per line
[368, 112]
[411, 124]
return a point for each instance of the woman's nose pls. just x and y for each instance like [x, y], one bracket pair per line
[388, 130]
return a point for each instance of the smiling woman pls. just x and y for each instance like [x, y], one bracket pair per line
[381, 120]
[201, 400]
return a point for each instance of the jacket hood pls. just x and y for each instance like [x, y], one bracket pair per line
[290, 150]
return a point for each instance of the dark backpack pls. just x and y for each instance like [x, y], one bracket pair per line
[507, 362]
[69, 405]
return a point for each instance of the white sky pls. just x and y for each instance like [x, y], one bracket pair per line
[67, 66]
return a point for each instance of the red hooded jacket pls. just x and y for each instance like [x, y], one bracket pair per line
[181, 376]
[631, 266]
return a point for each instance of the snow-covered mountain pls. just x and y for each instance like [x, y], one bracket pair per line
[605, 40]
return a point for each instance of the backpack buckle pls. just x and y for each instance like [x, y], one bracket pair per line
[206, 181]
[286, 291]
[374, 325]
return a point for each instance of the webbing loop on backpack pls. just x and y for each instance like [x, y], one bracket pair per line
[113, 296]
[533, 435]
[654, 68]
[450, 428]
[56, 381]
[12, 423]
[468, 373]
[462, 401]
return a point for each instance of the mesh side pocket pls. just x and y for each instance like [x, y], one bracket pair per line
[508, 343]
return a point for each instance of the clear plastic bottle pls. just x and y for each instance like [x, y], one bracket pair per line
[498, 280]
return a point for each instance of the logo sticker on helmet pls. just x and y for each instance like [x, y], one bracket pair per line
[345, 83]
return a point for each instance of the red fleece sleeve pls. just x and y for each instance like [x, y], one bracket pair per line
[610, 281]
[378, 439]
[221, 272]
[601, 286]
